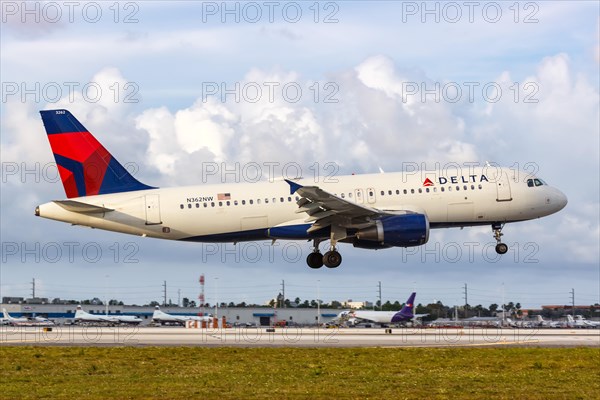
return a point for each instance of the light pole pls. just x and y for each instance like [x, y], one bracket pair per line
[106, 294]
[217, 298]
[318, 304]
[503, 307]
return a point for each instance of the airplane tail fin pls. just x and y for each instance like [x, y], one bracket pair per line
[86, 168]
[5, 313]
[79, 311]
[406, 314]
[407, 310]
[570, 318]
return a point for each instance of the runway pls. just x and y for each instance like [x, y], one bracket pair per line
[296, 337]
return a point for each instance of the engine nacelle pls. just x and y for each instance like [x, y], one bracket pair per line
[404, 230]
[369, 244]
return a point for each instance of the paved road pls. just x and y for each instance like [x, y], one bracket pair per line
[296, 337]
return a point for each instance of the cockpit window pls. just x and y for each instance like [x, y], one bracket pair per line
[535, 182]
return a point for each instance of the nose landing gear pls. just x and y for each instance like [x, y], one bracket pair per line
[501, 248]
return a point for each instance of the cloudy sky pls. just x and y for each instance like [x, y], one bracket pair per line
[173, 89]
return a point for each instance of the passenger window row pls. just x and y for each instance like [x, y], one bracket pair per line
[236, 202]
[413, 191]
[431, 189]
[342, 195]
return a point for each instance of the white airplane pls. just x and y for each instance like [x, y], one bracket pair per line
[85, 317]
[383, 317]
[164, 318]
[541, 322]
[13, 320]
[374, 211]
[580, 322]
[24, 321]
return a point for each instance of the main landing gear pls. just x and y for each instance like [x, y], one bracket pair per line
[501, 248]
[330, 259]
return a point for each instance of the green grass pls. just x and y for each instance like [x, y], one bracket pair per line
[276, 373]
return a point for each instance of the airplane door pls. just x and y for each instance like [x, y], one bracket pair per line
[358, 196]
[371, 195]
[503, 187]
[152, 209]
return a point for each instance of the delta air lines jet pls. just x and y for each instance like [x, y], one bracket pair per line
[375, 211]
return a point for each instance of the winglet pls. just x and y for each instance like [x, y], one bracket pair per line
[293, 186]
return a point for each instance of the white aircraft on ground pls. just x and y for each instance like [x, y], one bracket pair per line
[382, 317]
[24, 321]
[164, 318]
[374, 211]
[541, 322]
[85, 317]
[580, 322]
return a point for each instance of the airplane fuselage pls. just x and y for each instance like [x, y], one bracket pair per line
[266, 210]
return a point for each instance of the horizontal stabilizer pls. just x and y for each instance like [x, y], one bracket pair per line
[83, 208]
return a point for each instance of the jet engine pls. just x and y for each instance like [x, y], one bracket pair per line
[404, 230]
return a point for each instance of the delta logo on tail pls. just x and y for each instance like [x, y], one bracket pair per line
[86, 168]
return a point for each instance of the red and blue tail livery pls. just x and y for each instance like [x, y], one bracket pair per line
[86, 168]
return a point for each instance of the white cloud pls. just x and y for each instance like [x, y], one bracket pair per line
[205, 125]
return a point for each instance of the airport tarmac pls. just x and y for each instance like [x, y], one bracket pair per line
[296, 337]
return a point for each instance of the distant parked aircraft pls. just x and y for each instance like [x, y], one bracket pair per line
[85, 317]
[24, 321]
[580, 322]
[383, 317]
[164, 318]
[541, 322]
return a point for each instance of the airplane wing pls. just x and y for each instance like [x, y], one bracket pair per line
[325, 209]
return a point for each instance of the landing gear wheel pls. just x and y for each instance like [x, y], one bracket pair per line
[501, 248]
[332, 259]
[315, 260]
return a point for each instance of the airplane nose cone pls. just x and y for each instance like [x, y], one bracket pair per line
[557, 200]
[561, 200]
